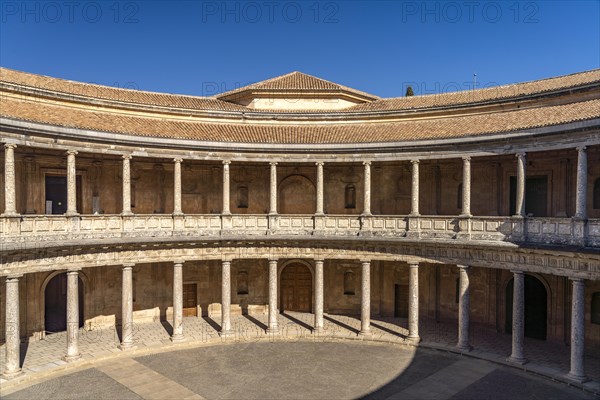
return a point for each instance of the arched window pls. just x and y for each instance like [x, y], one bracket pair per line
[349, 283]
[242, 282]
[459, 197]
[350, 196]
[596, 308]
[596, 197]
[242, 197]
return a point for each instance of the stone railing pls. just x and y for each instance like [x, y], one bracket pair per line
[554, 231]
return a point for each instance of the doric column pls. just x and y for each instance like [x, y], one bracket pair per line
[177, 302]
[13, 337]
[520, 200]
[177, 187]
[581, 196]
[226, 299]
[577, 371]
[127, 307]
[518, 321]
[126, 185]
[413, 301]
[367, 189]
[466, 203]
[273, 189]
[71, 183]
[273, 326]
[319, 326]
[463, 308]
[365, 300]
[415, 188]
[10, 203]
[226, 195]
[320, 207]
[72, 316]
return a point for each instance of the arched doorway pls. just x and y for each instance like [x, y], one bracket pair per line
[536, 303]
[297, 195]
[55, 304]
[296, 288]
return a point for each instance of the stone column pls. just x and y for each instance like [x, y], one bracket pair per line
[415, 188]
[226, 195]
[319, 189]
[10, 203]
[127, 308]
[581, 196]
[72, 316]
[319, 325]
[518, 322]
[466, 204]
[13, 337]
[365, 300]
[71, 183]
[177, 302]
[177, 187]
[226, 299]
[413, 302]
[367, 189]
[273, 326]
[273, 189]
[577, 371]
[520, 201]
[126, 185]
[463, 309]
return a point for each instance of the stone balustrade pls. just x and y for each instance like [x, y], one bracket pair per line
[553, 231]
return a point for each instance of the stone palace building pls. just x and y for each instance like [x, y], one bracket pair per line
[298, 194]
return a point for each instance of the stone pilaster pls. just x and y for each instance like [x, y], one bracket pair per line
[319, 325]
[226, 195]
[177, 210]
[464, 302]
[72, 316]
[577, 371]
[71, 183]
[126, 185]
[413, 302]
[273, 326]
[12, 346]
[367, 189]
[10, 202]
[127, 308]
[29, 184]
[320, 207]
[466, 201]
[365, 299]
[177, 302]
[273, 189]
[518, 322]
[581, 195]
[415, 189]
[521, 173]
[226, 299]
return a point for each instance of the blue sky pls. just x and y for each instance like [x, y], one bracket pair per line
[201, 47]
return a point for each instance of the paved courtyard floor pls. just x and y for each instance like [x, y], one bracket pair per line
[293, 364]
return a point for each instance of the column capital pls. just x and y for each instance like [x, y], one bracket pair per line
[581, 148]
[367, 162]
[10, 146]
[273, 260]
[576, 280]
[226, 262]
[363, 262]
[73, 270]
[72, 152]
[521, 155]
[465, 267]
[178, 160]
[466, 158]
[319, 260]
[415, 161]
[413, 264]
[127, 156]
[514, 271]
[128, 265]
[319, 163]
[178, 261]
[273, 163]
[226, 162]
[14, 277]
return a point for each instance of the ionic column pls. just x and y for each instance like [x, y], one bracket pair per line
[226, 299]
[177, 187]
[413, 301]
[273, 189]
[463, 309]
[126, 185]
[319, 189]
[415, 188]
[71, 183]
[367, 189]
[273, 326]
[466, 204]
[577, 371]
[581, 196]
[319, 325]
[226, 195]
[365, 300]
[127, 308]
[13, 339]
[177, 302]
[518, 315]
[72, 316]
[520, 201]
[10, 203]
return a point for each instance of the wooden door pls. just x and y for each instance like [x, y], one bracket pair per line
[190, 303]
[296, 288]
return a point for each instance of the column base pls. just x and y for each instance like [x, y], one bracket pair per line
[12, 374]
[177, 338]
[517, 360]
[577, 378]
[127, 346]
[71, 214]
[319, 331]
[273, 330]
[365, 333]
[413, 339]
[10, 215]
[466, 348]
[226, 334]
[69, 359]
[127, 214]
[178, 214]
